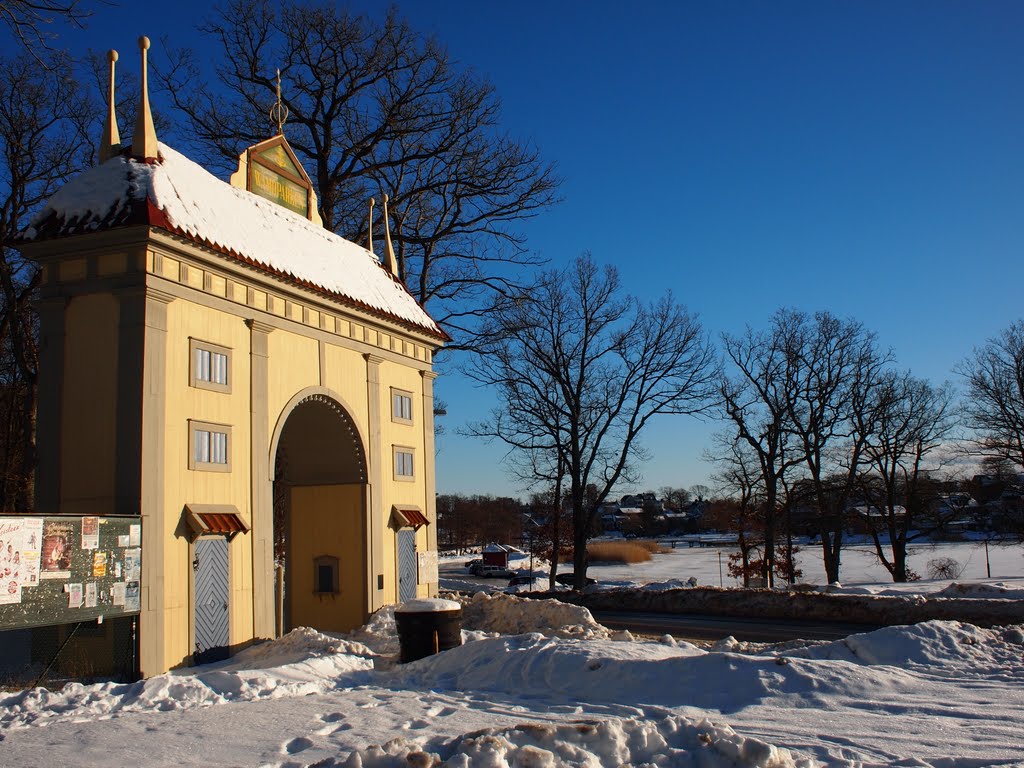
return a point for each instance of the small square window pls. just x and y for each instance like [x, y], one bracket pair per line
[210, 366]
[401, 406]
[325, 575]
[404, 464]
[209, 446]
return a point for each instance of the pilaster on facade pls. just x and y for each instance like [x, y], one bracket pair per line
[375, 458]
[142, 421]
[262, 481]
[430, 491]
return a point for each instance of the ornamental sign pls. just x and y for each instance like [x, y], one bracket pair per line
[275, 174]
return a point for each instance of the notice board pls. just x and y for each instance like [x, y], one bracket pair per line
[68, 568]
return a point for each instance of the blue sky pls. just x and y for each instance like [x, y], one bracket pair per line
[860, 157]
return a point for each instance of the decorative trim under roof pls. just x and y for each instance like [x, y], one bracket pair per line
[407, 516]
[214, 520]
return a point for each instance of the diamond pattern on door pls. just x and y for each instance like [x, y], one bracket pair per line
[210, 610]
[406, 565]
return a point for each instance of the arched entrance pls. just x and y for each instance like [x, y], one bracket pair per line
[320, 516]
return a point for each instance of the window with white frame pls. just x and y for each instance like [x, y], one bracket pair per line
[401, 406]
[210, 366]
[209, 446]
[404, 463]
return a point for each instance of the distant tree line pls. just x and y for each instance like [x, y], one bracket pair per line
[465, 522]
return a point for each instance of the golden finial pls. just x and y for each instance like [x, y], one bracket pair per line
[110, 142]
[370, 239]
[279, 112]
[390, 262]
[144, 141]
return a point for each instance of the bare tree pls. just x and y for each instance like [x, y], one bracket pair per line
[581, 370]
[756, 392]
[28, 19]
[675, 498]
[44, 120]
[740, 479]
[994, 404]
[377, 108]
[912, 420]
[836, 369]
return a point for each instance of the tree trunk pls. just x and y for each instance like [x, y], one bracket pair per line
[831, 547]
[580, 536]
[556, 532]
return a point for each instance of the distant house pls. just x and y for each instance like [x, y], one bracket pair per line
[866, 518]
[496, 554]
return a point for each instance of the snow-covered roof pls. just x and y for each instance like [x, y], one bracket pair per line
[181, 196]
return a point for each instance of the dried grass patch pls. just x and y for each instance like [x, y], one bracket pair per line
[617, 552]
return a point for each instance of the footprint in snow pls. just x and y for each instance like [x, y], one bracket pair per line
[441, 711]
[415, 725]
[297, 745]
[333, 717]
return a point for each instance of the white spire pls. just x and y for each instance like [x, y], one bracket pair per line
[369, 244]
[144, 140]
[110, 142]
[390, 262]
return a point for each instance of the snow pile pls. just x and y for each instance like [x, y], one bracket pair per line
[300, 663]
[511, 615]
[942, 645]
[204, 208]
[673, 741]
[604, 671]
[380, 633]
[998, 590]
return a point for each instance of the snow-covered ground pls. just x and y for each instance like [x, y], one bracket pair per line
[860, 569]
[539, 683]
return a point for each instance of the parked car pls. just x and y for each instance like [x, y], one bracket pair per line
[490, 571]
[472, 564]
[568, 579]
[519, 579]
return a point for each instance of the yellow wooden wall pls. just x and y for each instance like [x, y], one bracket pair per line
[184, 486]
[297, 362]
[399, 491]
[89, 407]
[327, 520]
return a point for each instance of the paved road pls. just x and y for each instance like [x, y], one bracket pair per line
[693, 627]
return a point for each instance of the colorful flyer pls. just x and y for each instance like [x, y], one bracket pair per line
[55, 562]
[90, 532]
[32, 539]
[74, 595]
[19, 555]
[99, 564]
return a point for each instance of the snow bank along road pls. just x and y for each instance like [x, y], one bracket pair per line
[539, 683]
[954, 602]
[698, 627]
